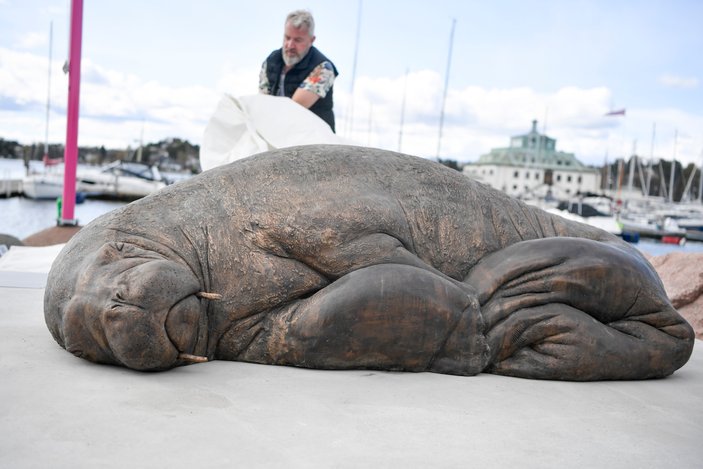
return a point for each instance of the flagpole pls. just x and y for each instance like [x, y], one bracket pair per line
[67, 217]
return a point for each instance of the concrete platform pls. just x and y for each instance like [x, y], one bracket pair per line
[60, 411]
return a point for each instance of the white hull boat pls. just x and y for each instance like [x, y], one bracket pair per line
[122, 180]
[119, 180]
[43, 186]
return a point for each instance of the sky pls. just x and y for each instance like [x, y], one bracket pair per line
[156, 69]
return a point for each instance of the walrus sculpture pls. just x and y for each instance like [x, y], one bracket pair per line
[343, 257]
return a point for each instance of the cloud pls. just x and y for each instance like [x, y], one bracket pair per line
[31, 40]
[238, 81]
[476, 119]
[16, 80]
[674, 81]
[116, 107]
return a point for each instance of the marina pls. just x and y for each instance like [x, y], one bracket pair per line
[118, 180]
[23, 216]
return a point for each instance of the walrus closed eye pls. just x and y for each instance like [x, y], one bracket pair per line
[340, 257]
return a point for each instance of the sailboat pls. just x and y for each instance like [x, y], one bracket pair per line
[47, 184]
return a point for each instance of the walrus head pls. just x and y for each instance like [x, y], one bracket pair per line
[125, 305]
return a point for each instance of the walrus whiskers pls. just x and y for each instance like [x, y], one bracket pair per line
[208, 295]
[187, 357]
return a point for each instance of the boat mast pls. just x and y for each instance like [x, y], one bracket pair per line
[141, 144]
[48, 94]
[662, 186]
[673, 168]
[687, 196]
[700, 181]
[402, 112]
[688, 191]
[349, 124]
[651, 160]
[606, 166]
[370, 131]
[631, 174]
[446, 84]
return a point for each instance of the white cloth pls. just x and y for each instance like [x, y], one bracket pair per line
[247, 125]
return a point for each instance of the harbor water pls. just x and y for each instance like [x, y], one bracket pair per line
[22, 217]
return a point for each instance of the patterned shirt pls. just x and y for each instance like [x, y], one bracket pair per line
[319, 81]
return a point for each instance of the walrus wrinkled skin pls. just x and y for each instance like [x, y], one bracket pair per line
[344, 257]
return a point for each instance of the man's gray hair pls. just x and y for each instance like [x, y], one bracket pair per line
[301, 18]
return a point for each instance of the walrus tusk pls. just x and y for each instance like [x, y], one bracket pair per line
[191, 358]
[208, 295]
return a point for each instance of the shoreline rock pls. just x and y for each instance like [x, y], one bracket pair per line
[682, 275]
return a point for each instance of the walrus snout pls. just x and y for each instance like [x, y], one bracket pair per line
[133, 336]
[138, 339]
[135, 308]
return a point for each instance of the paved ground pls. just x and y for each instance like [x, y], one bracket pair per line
[60, 411]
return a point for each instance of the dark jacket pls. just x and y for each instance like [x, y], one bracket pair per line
[296, 75]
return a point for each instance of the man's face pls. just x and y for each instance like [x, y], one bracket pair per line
[296, 43]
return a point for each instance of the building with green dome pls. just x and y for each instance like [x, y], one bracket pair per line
[531, 167]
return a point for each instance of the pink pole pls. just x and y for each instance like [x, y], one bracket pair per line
[74, 84]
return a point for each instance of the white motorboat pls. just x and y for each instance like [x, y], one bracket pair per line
[652, 226]
[688, 217]
[582, 212]
[43, 186]
[118, 180]
[604, 222]
[121, 180]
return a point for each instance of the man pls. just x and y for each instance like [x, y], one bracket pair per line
[298, 70]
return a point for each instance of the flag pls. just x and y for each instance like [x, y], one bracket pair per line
[619, 112]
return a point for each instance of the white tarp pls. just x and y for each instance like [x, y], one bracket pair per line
[247, 125]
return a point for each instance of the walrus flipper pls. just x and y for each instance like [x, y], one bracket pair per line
[390, 317]
[576, 309]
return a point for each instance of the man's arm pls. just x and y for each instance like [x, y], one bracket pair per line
[315, 86]
[263, 80]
